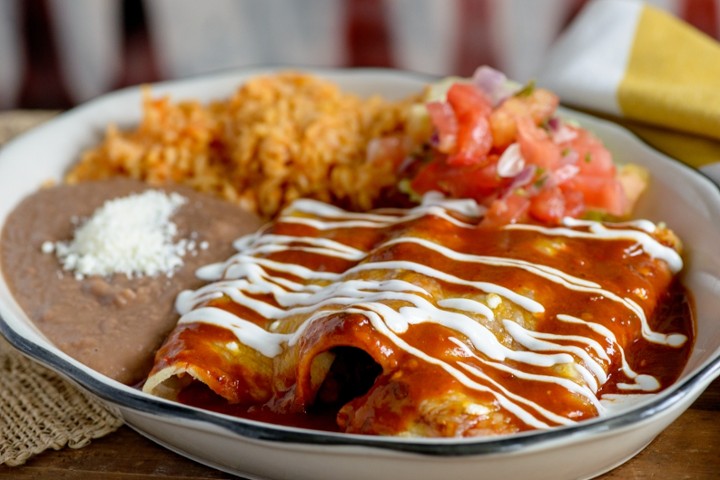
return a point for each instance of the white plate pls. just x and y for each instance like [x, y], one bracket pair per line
[684, 198]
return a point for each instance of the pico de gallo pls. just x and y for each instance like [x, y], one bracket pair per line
[504, 145]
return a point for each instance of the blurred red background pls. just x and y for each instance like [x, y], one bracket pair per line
[365, 40]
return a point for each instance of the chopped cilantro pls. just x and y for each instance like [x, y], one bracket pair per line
[595, 215]
[540, 182]
[588, 157]
[405, 187]
[527, 90]
[600, 216]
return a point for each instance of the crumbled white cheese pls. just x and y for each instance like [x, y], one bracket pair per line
[131, 235]
[47, 247]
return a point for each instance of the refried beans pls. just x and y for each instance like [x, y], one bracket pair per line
[111, 324]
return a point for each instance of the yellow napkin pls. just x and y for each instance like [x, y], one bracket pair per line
[644, 67]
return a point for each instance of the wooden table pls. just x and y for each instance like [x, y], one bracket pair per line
[688, 449]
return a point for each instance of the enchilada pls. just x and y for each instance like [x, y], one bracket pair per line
[423, 322]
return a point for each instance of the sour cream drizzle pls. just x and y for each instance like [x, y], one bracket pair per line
[249, 275]
[597, 230]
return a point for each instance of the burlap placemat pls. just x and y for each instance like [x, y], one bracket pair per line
[39, 409]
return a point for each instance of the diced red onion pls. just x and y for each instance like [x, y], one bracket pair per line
[570, 158]
[435, 139]
[553, 123]
[494, 84]
[559, 131]
[524, 177]
[521, 180]
[511, 162]
[563, 134]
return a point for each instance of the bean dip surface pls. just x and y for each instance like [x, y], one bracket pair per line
[112, 324]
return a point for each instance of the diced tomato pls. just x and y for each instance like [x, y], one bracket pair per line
[467, 181]
[510, 209]
[593, 158]
[474, 143]
[468, 100]
[472, 181]
[539, 105]
[472, 109]
[574, 203]
[536, 146]
[443, 118]
[551, 205]
[428, 178]
[605, 194]
[548, 206]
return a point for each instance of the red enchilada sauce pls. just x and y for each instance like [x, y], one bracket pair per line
[567, 315]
